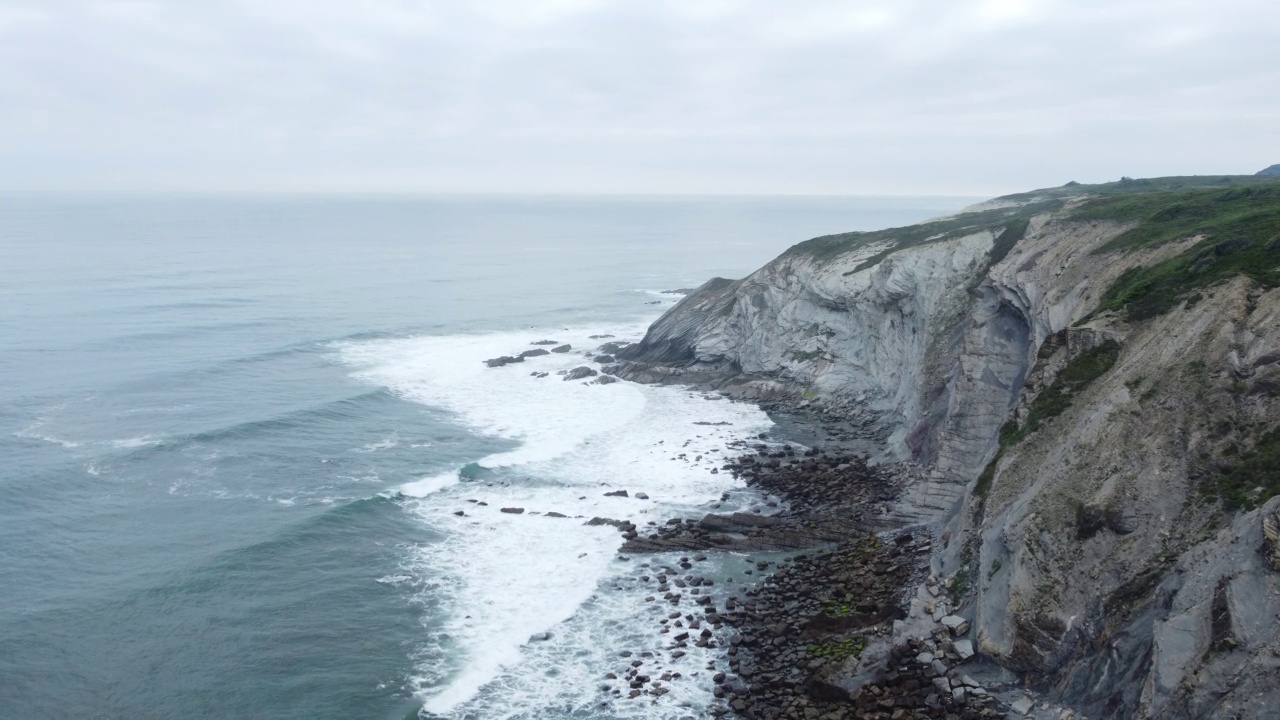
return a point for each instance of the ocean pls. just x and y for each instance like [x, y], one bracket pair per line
[236, 434]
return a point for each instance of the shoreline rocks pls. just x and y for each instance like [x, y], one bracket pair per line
[579, 373]
[816, 640]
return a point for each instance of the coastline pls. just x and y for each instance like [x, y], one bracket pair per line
[830, 626]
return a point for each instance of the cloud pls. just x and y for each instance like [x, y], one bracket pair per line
[652, 96]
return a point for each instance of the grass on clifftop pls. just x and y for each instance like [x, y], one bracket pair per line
[1108, 203]
[1248, 212]
[1145, 292]
[830, 247]
[1242, 237]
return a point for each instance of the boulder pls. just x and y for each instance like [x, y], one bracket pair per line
[616, 493]
[562, 348]
[606, 380]
[604, 359]
[513, 510]
[956, 624]
[545, 342]
[504, 360]
[1023, 706]
[534, 353]
[579, 372]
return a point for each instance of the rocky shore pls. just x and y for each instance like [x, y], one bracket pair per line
[852, 626]
[816, 639]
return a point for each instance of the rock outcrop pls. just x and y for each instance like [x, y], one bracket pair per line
[1088, 377]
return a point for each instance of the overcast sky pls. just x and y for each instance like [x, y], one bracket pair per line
[654, 96]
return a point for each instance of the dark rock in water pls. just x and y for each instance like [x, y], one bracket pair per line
[459, 513]
[606, 380]
[616, 493]
[679, 291]
[540, 637]
[623, 525]
[538, 374]
[562, 348]
[545, 342]
[504, 360]
[610, 348]
[534, 353]
[603, 359]
[579, 372]
[556, 514]
[599, 337]
[654, 302]
[513, 511]
[642, 496]
[737, 522]
[1273, 170]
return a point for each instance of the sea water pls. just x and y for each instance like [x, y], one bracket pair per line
[252, 463]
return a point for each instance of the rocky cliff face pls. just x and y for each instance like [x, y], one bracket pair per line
[1088, 377]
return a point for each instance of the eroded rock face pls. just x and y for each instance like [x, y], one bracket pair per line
[1086, 551]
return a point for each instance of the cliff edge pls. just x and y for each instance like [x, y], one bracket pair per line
[1086, 378]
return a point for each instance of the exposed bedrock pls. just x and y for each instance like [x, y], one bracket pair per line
[1098, 481]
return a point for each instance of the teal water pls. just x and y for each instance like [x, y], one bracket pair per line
[231, 431]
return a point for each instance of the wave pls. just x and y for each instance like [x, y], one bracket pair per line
[503, 577]
[137, 442]
[344, 410]
[30, 433]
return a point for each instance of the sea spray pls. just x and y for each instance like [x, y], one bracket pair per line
[504, 578]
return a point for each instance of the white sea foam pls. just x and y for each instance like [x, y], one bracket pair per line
[428, 485]
[137, 442]
[509, 576]
[31, 432]
[385, 443]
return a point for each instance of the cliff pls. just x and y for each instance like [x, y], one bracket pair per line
[1087, 379]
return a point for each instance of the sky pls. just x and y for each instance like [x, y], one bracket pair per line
[970, 97]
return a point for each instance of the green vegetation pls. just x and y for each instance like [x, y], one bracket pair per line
[1082, 370]
[983, 486]
[1254, 479]
[1108, 204]
[841, 649]
[1241, 231]
[1250, 212]
[830, 247]
[1146, 292]
[961, 580]
[805, 355]
[960, 584]
[1014, 231]
[838, 609]
[1052, 401]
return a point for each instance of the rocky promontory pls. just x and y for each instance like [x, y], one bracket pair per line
[1067, 402]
